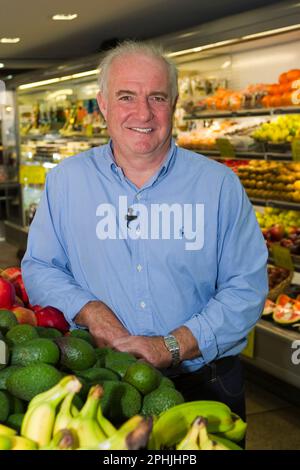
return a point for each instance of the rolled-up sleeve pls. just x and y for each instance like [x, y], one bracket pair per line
[45, 268]
[242, 282]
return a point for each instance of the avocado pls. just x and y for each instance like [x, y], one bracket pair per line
[97, 375]
[101, 353]
[27, 382]
[20, 334]
[16, 405]
[5, 373]
[35, 350]
[4, 406]
[119, 361]
[83, 334]
[15, 421]
[50, 333]
[120, 401]
[160, 400]
[166, 382]
[75, 353]
[7, 320]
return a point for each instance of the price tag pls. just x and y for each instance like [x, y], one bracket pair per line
[282, 257]
[249, 349]
[3, 353]
[296, 149]
[226, 148]
[30, 174]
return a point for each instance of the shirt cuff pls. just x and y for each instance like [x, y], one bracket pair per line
[81, 299]
[203, 333]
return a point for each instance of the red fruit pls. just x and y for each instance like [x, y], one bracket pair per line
[7, 293]
[10, 273]
[24, 315]
[277, 232]
[35, 308]
[52, 317]
[20, 288]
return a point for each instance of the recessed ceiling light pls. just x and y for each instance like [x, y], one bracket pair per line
[1, 65]
[63, 17]
[9, 77]
[9, 40]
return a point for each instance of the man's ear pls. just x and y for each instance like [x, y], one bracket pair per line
[102, 104]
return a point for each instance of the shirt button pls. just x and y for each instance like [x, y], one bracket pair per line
[139, 267]
[142, 304]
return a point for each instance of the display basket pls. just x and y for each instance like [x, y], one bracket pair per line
[280, 288]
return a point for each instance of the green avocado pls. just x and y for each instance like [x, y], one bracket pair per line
[35, 350]
[75, 353]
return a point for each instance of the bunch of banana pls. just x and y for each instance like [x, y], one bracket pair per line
[10, 441]
[64, 439]
[173, 424]
[38, 422]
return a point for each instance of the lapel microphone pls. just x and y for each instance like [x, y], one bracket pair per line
[130, 216]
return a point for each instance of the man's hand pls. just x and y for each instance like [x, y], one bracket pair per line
[102, 323]
[150, 348]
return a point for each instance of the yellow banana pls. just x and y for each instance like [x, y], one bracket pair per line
[39, 419]
[65, 414]
[106, 426]
[85, 423]
[5, 442]
[191, 439]
[220, 442]
[6, 431]
[22, 443]
[172, 424]
[238, 431]
[132, 435]
[64, 439]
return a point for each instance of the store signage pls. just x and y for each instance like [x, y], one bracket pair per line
[249, 349]
[296, 149]
[32, 174]
[226, 148]
[3, 353]
[282, 257]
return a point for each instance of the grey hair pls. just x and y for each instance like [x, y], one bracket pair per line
[135, 47]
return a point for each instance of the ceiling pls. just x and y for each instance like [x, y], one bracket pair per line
[45, 42]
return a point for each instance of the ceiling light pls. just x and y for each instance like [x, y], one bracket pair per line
[1, 65]
[9, 77]
[270, 32]
[9, 40]
[57, 80]
[203, 48]
[63, 17]
[225, 64]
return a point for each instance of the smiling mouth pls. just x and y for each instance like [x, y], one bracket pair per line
[142, 130]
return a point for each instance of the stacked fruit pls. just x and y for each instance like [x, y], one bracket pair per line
[277, 275]
[53, 422]
[284, 93]
[285, 311]
[271, 180]
[283, 129]
[280, 226]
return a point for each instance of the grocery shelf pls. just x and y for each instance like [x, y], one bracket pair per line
[243, 113]
[295, 259]
[247, 155]
[55, 137]
[278, 204]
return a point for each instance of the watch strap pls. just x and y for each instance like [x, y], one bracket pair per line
[172, 345]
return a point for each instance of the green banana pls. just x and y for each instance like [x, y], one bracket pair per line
[85, 423]
[39, 419]
[132, 435]
[22, 443]
[238, 431]
[172, 424]
[220, 442]
[65, 414]
[6, 431]
[191, 439]
[64, 439]
[5, 442]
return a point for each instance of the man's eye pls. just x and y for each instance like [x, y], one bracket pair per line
[125, 98]
[158, 99]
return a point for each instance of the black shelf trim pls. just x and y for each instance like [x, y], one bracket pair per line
[273, 203]
[244, 113]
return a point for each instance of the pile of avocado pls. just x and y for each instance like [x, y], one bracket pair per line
[39, 357]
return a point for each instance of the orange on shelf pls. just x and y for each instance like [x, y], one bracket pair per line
[287, 99]
[293, 75]
[283, 77]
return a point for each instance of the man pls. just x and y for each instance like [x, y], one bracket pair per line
[154, 249]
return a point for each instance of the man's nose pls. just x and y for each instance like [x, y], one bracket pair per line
[144, 110]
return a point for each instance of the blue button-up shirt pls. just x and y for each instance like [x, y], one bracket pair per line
[199, 259]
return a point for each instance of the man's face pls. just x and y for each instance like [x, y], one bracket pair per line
[138, 107]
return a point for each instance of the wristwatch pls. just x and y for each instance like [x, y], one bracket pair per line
[172, 345]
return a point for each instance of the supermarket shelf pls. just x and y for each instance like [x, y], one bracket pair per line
[243, 113]
[278, 204]
[54, 137]
[248, 155]
[273, 352]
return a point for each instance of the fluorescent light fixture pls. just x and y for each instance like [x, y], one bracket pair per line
[203, 48]
[57, 80]
[270, 32]
[1, 65]
[226, 64]
[49, 165]
[64, 17]
[9, 40]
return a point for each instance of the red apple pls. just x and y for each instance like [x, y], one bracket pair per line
[18, 301]
[7, 293]
[24, 315]
[277, 232]
[51, 317]
[20, 288]
[11, 273]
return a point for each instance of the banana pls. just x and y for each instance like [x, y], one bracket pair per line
[22, 443]
[106, 426]
[64, 439]
[191, 439]
[220, 442]
[66, 413]
[174, 423]
[39, 419]
[130, 436]
[238, 431]
[6, 431]
[5, 442]
[85, 423]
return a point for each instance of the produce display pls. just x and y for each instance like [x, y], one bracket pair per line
[285, 311]
[53, 421]
[276, 275]
[282, 129]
